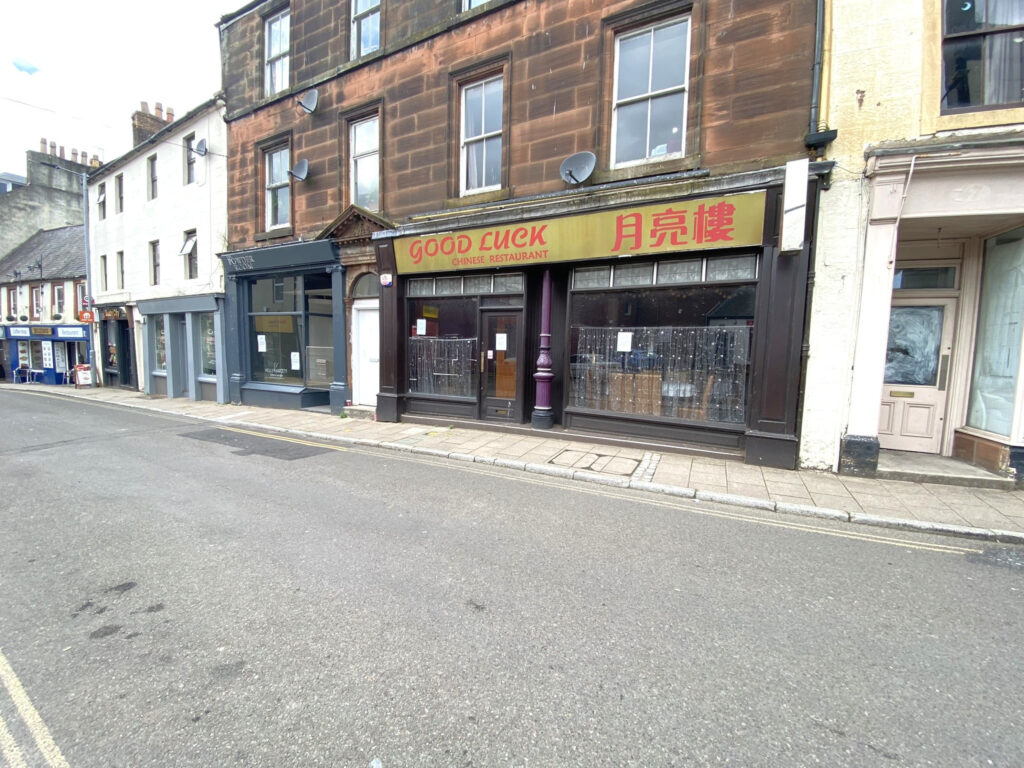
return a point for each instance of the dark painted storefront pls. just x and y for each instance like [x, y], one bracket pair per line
[676, 320]
[116, 357]
[284, 311]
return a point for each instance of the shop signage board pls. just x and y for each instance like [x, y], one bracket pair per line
[729, 221]
[70, 332]
[18, 333]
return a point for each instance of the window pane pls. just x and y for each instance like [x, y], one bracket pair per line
[365, 137]
[634, 274]
[631, 132]
[591, 277]
[474, 165]
[366, 287]
[669, 57]
[279, 206]
[492, 106]
[274, 294]
[910, 278]
[997, 349]
[962, 75]
[159, 343]
[508, 283]
[207, 345]
[447, 286]
[732, 268]
[367, 182]
[423, 286]
[473, 111]
[667, 124]
[1004, 68]
[634, 65]
[679, 271]
[369, 34]
[365, 5]
[276, 348]
[478, 284]
[277, 167]
[442, 347]
[492, 174]
[912, 354]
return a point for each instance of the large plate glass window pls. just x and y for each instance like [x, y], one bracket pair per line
[649, 105]
[482, 105]
[982, 54]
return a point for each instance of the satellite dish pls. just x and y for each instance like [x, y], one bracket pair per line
[577, 168]
[309, 100]
[301, 170]
[200, 148]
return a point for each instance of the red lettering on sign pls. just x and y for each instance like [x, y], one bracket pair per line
[537, 235]
[670, 224]
[501, 238]
[713, 223]
[519, 237]
[628, 232]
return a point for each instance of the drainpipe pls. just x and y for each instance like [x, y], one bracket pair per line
[817, 139]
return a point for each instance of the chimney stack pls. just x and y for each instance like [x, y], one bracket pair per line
[159, 111]
[42, 146]
[53, 148]
[170, 115]
[74, 155]
[145, 125]
[95, 161]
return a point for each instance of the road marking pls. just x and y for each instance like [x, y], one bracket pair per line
[635, 498]
[286, 439]
[10, 748]
[36, 726]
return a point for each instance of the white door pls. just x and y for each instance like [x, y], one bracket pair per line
[917, 366]
[365, 352]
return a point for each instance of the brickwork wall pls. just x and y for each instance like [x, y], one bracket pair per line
[749, 95]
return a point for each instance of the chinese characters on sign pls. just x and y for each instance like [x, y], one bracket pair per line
[729, 221]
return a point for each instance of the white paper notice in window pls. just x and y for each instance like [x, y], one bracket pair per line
[625, 342]
[501, 342]
[296, 361]
[261, 342]
[421, 327]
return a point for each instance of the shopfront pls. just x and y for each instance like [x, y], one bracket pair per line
[284, 309]
[673, 321]
[116, 360]
[46, 354]
[181, 348]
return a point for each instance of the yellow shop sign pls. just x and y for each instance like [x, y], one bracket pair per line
[685, 225]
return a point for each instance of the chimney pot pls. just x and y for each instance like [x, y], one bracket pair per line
[159, 111]
[170, 115]
[74, 155]
[53, 148]
[95, 161]
[42, 145]
[61, 151]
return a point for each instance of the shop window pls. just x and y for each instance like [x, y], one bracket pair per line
[649, 103]
[291, 330]
[998, 340]
[478, 283]
[365, 27]
[443, 347]
[508, 283]
[982, 54]
[680, 272]
[159, 342]
[421, 286]
[364, 168]
[677, 351]
[277, 199]
[731, 269]
[207, 345]
[276, 43]
[481, 136]
[924, 278]
[634, 274]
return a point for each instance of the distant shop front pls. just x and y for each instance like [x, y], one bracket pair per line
[46, 354]
[676, 320]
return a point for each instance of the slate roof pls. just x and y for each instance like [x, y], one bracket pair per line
[61, 250]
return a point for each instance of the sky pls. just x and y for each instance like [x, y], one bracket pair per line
[75, 72]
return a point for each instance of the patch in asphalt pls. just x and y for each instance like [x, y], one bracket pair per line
[248, 445]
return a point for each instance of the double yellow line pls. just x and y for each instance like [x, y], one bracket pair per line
[30, 716]
[635, 497]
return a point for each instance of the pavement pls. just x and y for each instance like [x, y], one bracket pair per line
[989, 513]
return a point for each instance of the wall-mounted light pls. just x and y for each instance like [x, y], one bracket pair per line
[300, 171]
[309, 100]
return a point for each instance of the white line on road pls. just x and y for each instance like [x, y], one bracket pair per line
[10, 748]
[31, 717]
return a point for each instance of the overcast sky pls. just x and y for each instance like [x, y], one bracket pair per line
[75, 72]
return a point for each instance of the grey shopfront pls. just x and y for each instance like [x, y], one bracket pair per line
[286, 326]
[183, 355]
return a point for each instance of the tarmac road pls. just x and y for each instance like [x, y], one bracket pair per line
[174, 593]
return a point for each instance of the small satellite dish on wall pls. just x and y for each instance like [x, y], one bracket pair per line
[301, 170]
[577, 168]
[200, 148]
[309, 100]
